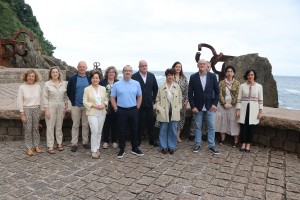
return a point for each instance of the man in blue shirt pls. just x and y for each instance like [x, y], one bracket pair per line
[126, 99]
[75, 90]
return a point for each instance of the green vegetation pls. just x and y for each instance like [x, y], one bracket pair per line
[16, 15]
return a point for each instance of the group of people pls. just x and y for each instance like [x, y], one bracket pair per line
[107, 107]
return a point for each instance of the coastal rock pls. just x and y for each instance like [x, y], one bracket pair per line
[35, 59]
[263, 68]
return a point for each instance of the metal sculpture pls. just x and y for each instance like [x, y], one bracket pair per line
[11, 47]
[214, 59]
[97, 67]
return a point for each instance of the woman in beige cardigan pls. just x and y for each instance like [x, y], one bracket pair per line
[249, 108]
[95, 102]
[168, 106]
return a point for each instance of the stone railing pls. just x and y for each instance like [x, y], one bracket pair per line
[279, 128]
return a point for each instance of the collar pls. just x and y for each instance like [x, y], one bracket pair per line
[142, 75]
[204, 74]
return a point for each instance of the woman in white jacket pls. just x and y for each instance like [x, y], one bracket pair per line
[95, 102]
[249, 108]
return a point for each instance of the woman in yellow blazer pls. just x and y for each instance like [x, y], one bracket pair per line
[95, 102]
[168, 105]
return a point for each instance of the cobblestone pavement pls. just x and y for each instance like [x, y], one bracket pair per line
[262, 174]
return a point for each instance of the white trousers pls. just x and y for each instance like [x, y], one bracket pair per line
[96, 125]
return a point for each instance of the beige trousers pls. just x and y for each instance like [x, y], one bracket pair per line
[78, 114]
[56, 110]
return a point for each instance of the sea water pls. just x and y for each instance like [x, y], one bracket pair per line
[288, 88]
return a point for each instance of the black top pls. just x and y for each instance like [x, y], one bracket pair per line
[149, 89]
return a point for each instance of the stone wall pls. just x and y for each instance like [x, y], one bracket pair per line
[284, 135]
[13, 75]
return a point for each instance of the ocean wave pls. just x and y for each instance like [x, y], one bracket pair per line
[292, 91]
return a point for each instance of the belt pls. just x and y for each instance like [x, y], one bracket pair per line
[130, 108]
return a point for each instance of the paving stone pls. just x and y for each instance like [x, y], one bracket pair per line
[115, 187]
[187, 196]
[124, 195]
[63, 192]
[104, 194]
[275, 182]
[292, 195]
[136, 188]
[273, 196]
[255, 193]
[195, 191]
[235, 192]
[95, 186]
[155, 189]
[220, 182]
[163, 180]
[145, 196]
[293, 187]
[167, 196]
[174, 189]
[215, 190]
[240, 179]
[21, 192]
[172, 172]
[125, 181]
[145, 180]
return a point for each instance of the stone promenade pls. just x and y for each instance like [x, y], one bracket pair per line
[262, 174]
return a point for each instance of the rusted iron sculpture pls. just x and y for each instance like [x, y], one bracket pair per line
[11, 47]
[97, 67]
[214, 59]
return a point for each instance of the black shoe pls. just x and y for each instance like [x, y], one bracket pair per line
[137, 152]
[191, 137]
[214, 150]
[196, 148]
[171, 151]
[73, 148]
[235, 145]
[241, 149]
[155, 144]
[164, 151]
[221, 142]
[87, 146]
[121, 153]
[247, 150]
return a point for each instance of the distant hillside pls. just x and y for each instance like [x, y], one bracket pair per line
[16, 15]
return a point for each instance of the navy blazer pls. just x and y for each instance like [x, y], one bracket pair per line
[199, 97]
[71, 87]
[149, 89]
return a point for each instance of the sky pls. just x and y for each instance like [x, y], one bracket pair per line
[117, 33]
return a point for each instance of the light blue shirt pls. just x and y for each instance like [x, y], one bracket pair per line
[126, 92]
[82, 82]
[203, 83]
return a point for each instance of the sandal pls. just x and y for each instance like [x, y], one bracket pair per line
[60, 148]
[51, 151]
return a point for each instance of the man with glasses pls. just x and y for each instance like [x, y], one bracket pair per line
[126, 99]
[203, 98]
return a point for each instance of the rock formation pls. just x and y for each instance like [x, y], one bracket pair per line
[264, 75]
[35, 59]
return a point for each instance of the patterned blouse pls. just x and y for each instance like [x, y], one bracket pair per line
[184, 86]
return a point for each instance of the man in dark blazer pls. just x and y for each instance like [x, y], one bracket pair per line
[149, 87]
[203, 98]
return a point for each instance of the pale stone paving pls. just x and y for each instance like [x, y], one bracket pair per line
[262, 174]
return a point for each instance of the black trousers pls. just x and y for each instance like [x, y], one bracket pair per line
[246, 129]
[110, 125]
[127, 118]
[146, 120]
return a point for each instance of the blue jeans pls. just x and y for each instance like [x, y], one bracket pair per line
[210, 120]
[168, 134]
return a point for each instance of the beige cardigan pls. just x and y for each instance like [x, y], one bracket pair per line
[89, 99]
[162, 104]
[256, 102]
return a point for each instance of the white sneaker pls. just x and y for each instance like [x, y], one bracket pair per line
[115, 145]
[105, 145]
